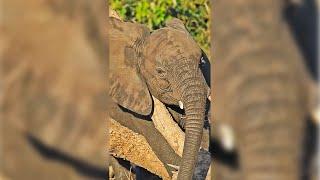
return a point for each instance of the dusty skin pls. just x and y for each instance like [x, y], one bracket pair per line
[53, 90]
[138, 43]
[262, 91]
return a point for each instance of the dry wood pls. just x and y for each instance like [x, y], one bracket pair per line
[131, 146]
[168, 127]
[209, 177]
[170, 130]
[120, 170]
[126, 144]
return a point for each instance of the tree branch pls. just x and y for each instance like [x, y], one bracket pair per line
[131, 146]
[169, 129]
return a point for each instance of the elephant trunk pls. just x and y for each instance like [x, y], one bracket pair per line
[194, 101]
[269, 145]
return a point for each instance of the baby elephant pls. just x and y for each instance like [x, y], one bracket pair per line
[164, 64]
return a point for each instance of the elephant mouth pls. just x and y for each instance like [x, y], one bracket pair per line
[169, 99]
[167, 96]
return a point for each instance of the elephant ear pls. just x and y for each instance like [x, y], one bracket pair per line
[127, 87]
[176, 24]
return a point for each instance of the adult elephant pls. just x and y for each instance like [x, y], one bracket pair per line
[261, 89]
[164, 64]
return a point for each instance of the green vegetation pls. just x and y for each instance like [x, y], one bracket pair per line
[154, 13]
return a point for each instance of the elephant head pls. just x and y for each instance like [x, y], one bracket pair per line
[166, 65]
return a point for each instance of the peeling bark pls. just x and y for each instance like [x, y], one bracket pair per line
[169, 129]
[126, 144]
[133, 144]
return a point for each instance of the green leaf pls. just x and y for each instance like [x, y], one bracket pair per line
[154, 13]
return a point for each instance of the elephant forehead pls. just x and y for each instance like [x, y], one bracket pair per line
[184, 40]
[166, 46]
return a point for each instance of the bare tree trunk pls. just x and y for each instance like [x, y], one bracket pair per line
[145, 128]
[126, 144]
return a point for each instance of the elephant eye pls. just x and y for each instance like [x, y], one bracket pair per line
[161, 72]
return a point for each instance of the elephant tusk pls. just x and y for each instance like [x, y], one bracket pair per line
[174, 166]
[227, 137]
[209, 97]
[180, 104]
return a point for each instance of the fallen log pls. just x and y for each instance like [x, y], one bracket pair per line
[128, 145]
[145, 144]
[169, 129]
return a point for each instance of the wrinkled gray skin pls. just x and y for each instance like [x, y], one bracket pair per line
[164, 64]
[261, 89]
[53, 94]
